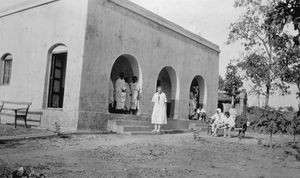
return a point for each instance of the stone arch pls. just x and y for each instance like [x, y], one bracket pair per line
[128, 65]
[169, 82]
[197, 94]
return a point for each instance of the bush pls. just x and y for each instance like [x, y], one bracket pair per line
[271, 121]
[294, 127]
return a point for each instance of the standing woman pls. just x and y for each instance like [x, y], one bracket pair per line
[159, 115]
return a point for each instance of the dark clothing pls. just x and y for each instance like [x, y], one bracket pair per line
[241, 122]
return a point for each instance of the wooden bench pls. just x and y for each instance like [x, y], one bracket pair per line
[19, 109]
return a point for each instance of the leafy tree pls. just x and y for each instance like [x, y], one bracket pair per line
[271, 122]
[221, 83]
[255, 70]
[287, 12]
[233, 81]
[256, 37]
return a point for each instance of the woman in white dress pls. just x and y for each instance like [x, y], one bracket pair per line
[159, 115]
[136, 95]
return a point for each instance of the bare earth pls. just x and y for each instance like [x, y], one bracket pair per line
[177, 155]
[6, 130]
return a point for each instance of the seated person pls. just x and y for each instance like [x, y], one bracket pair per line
[217, 122]
[241, 122]
[229, 123]
[201, 114]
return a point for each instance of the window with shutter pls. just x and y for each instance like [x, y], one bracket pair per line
[7, 67]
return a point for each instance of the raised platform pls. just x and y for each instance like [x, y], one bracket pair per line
[133, 124]
[137, 127]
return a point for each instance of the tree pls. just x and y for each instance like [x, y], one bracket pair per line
[256, 37]
[271, 122]
[289, 62]
[233, 81]
[255, 67]
[221, 83]
[284, 13]
[294, 127]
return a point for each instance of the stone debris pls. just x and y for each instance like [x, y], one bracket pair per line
[22, 172]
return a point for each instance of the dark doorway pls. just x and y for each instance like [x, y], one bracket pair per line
[57, 80]
[167, 80]
[196, 95]
[127, 65]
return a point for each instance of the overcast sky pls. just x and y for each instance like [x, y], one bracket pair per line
[209, 19]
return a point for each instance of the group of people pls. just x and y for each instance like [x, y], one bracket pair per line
[196, 111]
[228, 121]
[125, 95]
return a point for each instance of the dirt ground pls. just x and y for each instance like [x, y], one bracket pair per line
[7, 130]
[176, 155]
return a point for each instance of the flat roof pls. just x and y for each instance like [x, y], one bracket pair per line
[29, 4]
[23, 6]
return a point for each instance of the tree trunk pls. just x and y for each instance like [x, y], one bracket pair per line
[267, 95]
[294, 138]
[271, 140]
[298, 85]
[258, 100]
[232, 97]
[298, 103]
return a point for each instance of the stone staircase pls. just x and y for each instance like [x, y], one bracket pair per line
[136, 127]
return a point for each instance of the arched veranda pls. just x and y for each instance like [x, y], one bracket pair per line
[196, 95]
[168, 80]
[128, 65]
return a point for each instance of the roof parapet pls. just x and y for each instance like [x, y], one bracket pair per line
[165, 23]
[23, 6]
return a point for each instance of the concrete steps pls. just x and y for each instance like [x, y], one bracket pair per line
[134, 128]
[144, 127]
[161, 132]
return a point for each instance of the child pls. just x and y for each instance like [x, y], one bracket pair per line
[201, 114]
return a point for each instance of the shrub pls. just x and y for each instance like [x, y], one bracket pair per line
[294, 127]
[271, 122]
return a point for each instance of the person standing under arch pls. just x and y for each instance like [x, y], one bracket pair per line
[128, 95]
[120, 90]
[135, 95]
[159, 114]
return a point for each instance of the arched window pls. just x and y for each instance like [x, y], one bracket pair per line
[7, 66]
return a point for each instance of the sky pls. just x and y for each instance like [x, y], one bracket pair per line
[211, 20]
[208, 18]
